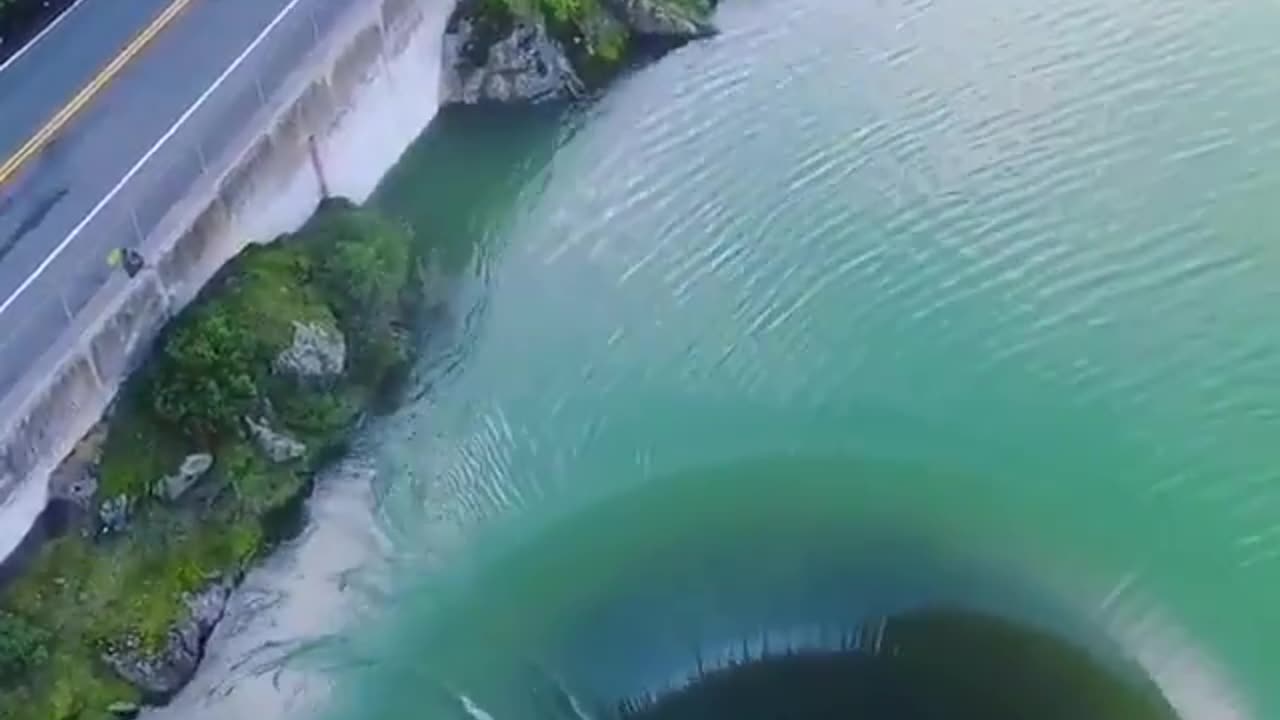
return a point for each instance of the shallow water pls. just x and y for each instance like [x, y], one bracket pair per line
[855, 310]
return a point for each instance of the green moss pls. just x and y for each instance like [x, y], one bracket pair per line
[94, 594]
[363, 265]
[139, 448]
[64, 594]
[215, 360]
[23, 645]
[69, 690]
[259, 486]
[598, 43]
[318, 418]
[595, 40]
[610, 43]
[568, 10]
[139, 581]
[348, 269]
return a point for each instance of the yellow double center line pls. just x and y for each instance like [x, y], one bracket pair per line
[89, 91]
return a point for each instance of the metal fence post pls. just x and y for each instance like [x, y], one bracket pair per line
[137, 227]
[66, 308]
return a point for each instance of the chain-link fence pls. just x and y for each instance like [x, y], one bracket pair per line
[73, 270]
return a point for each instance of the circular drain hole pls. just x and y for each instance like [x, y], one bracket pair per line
[919, 666]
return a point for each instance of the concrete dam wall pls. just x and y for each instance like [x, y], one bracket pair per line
[341, 119]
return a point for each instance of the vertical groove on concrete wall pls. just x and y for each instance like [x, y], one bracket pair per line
[318, 166]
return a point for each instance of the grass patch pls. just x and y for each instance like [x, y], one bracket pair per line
[23, 645]
[63, 595]
[139, 448]
[258, 485]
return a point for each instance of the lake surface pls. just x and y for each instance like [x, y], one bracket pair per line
[857, 311]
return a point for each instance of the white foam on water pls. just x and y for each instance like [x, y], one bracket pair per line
[296, 596]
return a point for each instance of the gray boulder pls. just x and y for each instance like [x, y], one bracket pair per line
[317, 356]
[525, 66]
[193, 468]
[664, 18]
[113, 514]
[163, 673]
[277, 446]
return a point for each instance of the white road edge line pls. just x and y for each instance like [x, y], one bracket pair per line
[177, 125]
[32, 42]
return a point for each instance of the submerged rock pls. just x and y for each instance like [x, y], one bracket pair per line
[317, 356]
[277, 446]
[163, 673]
[526, 65]
[193, 468]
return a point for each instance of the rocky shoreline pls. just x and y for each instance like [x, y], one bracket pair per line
[204, 462]
[508, 51]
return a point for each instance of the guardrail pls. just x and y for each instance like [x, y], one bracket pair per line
[199, 147]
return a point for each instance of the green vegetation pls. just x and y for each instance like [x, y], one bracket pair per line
[348, 270]
[362, 267]
[211, 371]
[596, 41]
[22, 645]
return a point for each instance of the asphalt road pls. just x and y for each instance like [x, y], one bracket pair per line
[56, 189]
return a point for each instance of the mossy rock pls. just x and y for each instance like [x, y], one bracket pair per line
[363, 265]
[347, 269]
[600, 37]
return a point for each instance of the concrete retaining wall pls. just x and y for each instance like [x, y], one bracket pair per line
[342, 120]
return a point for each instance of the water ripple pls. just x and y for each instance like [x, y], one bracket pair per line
[1028, 243]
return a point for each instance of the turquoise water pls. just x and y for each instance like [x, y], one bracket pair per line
[855, 310]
